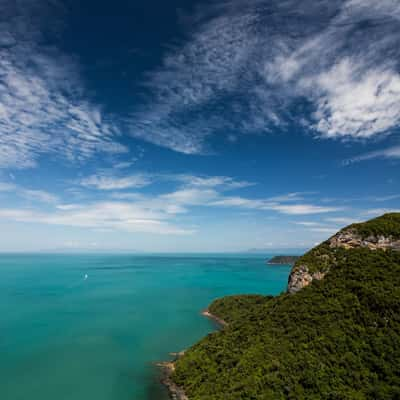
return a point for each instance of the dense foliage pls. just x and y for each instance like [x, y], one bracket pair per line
[386, 225]
[320, 258]
[235, 308]
[323, 257]
[339, 338]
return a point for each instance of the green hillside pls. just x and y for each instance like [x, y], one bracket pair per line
[338, 338]
[386, 225]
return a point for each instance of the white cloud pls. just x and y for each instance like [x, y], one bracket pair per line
[107, 182]
[222, 182]
[246, 63]
[386, 198]
[327, 230]
[7, 187]
[193, 76]
[163, 213]
[239, 202]
[102, 215]
[290, 209]
[356, 102]
[43, 108]
[375, 212]
[290, 197]
[29, 194]
[124, 164]
[389, 153]
[303, 209]
[307, 223]
[38, 195]
[191, 195]
[323, 227]
[68, 207]
[126, 196]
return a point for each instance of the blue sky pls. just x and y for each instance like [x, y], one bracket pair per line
[195, 125]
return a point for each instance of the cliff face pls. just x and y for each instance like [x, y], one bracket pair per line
[301, 277]
[378, 234]
[350, 239]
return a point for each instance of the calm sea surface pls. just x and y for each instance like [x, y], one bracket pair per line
[65, 337]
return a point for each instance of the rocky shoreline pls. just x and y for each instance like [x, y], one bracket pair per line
[214, 318]
[168, 367]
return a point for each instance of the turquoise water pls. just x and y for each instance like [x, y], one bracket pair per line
[66, 338]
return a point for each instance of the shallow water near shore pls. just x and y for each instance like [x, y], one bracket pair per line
[66, 336]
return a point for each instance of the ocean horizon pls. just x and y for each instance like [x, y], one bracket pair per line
[79, 326]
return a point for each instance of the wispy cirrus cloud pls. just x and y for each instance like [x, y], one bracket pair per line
[165, 212]
[33, 195]
[43, 107]
[388, 153]
[375, 212]
[307, 224]
[266, 204]
[222, 182]
[101, 215]
[110, 182]
[247, 64]
[327, 230]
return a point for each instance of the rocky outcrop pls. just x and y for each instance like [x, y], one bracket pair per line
[168, 368]
[350, 239]
[302, 277]
[304, 271]
[219, 321]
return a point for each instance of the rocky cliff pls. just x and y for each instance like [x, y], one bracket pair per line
[381, 233]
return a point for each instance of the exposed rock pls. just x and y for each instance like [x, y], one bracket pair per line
[301, 277]
[219, 321]
[175, 392]
[177, 354]
[349, 239]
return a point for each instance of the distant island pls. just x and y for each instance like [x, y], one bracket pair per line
[283, 260]
[335, 333]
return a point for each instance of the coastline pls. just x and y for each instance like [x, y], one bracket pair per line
[168, 367]
[206, 313]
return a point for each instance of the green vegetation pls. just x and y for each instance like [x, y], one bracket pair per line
[235, 308]
[284, 260]
[321, 258]
[387, 225]
[338, 338]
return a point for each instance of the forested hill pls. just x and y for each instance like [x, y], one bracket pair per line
[336, 338]
[382, 233]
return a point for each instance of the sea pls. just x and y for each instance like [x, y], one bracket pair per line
[93, 326]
